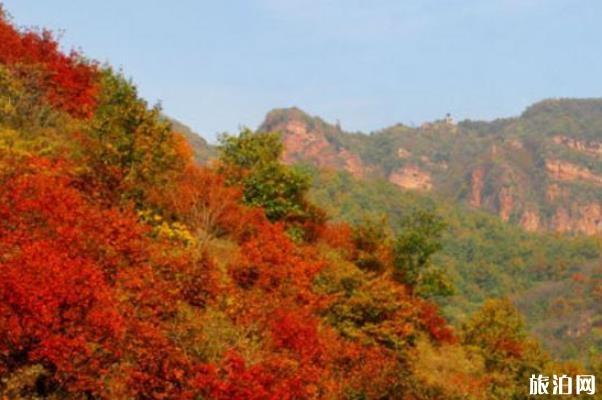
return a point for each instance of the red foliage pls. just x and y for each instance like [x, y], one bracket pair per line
[43, 319]
[578, 277]
[510, 348]
[277, 376]
[78, 279]
[200, 197]
[50, 245]
[158, 369]
[296, 332]
[89, 295]
[435, 324]
[271, 262]
[369, 370]
[67, 82]
[234, 380]
[338, 236]
[39, 202]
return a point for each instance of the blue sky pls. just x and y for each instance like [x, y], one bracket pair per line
[217, 65]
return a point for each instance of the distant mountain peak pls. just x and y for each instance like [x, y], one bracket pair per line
[281, 116]
[200, 148]
[311, 139]
[578, 107]
[542, 169]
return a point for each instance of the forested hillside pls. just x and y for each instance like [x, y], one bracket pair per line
[552, 278]
[128, 271]
[520, 197]
[483, 254]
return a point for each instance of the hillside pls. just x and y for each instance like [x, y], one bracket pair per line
[129, 271]
[483, 257]
[202, 151]
[541, 170]
[398, 170]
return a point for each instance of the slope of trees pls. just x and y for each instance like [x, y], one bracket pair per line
[482, 257]
[129, 272]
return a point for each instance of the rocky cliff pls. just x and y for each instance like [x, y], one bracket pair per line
[542, 170]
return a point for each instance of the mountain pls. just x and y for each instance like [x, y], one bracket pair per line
[541, 170]
[202, 151]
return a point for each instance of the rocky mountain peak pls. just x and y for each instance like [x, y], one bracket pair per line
[542, 170]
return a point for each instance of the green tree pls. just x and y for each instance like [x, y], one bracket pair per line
[130, 148]
[497, 332]
[420, 238]
[252, 160]
[371, 238]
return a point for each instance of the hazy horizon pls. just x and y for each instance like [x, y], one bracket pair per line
[367, 65]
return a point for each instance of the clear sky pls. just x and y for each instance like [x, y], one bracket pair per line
[220, 64]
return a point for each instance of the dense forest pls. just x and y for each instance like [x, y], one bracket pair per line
[129, 271]
[552, 278]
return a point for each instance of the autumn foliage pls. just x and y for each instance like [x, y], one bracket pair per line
[129, 272]
[66, 81]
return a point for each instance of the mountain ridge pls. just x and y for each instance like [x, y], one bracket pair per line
[541, 169]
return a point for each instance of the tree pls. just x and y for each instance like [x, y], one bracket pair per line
[372, 244]
[200, 198]
[128, 148]
[252, 160]
[46, 233]
[418, 240]
[66, 81]
[250, 150]
[497, 330]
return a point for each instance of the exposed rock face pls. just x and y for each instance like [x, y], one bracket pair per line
[555, 192]
[588, 147]
[516, 144]
[565, 171]
[403, 153]
[353, 164]
[562, 220]
[477, 183]
[298, 139]
[530, 221]
[303, 143]
[590, 219]
[506, 203]
[581, 218]
[411, 177]
[514, 168]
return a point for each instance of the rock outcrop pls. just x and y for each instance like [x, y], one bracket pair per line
[477, 183]
[515, 168]
[411, 177]
[506, 203]
[566, 171]
[593, 148]
[585, 219]
[530, 221]
[306, 143]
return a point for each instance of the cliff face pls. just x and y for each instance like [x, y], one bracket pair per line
[303, 143]
[542, 170]
[411, 177]
[589, 147]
